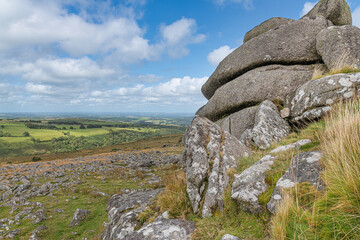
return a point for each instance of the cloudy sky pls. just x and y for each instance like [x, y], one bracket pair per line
[122, 55]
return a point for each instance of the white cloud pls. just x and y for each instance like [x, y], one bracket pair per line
[307, 7]
[38, 88]
[217, 55]
[248, 4]
[180, 34]
[356, 17]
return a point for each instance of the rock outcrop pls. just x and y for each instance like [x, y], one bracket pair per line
[266, 26]
[337, 11]
[209, 153]
[339, 46]
[304, 167]
[294, 43]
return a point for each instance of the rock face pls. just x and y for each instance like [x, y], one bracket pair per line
[79, 216]
[266, 26]
[304, 167]
[238, 122]
[269, 127]
[337, 11]
[248, 186]
[294, 43]
[339, 46]
[312, 100]
[274, 82]
[209, 153]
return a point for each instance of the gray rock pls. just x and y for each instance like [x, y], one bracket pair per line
[269, 127]
[209, 152]
[229, 237]
[312, 100]
[12, 234]
[337, 11]
[248, 186]
[266, 26]
[339, 46]
[35, 233]
[238, 122]
[304, 167]
[165, 229]
[79, 216]
[293, 43]
[274, 82]
[123, 210]
[296, 145]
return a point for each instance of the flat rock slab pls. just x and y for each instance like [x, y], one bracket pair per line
[248, 186]
[165, 229]
[337, 11]
[304, 167]
[339, 46]
[269, 127]
[123, 210]
[273, 82]
[266, 26]
[209, 153]
[314, 98]
[293, 43]
[238, 122]
[296, 145]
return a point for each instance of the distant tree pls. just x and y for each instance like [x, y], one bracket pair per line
[82, 126]
[26, 134]
[64, 128]
[2, 126]
[71, 127]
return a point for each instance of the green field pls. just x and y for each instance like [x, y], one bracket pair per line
[20, 137]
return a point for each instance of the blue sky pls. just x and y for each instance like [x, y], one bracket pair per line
[122, 56]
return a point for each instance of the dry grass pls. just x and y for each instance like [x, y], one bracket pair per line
[174, 198]
[335, 214]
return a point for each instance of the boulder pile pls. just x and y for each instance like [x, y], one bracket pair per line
[287, 72]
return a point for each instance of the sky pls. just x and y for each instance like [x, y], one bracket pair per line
[123, 55]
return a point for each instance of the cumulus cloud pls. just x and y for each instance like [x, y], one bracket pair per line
[180, 34]
[217, 55]
[356, 17]
[248, 4]
[307, 7]
[38, 88]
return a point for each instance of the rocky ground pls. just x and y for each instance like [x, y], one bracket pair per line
[66, 199]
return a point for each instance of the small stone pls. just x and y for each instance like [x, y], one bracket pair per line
[285, 113]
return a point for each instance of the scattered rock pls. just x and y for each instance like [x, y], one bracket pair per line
[269, 127]
[293, 43]
[79, 216]
[229, 237]
[337, 11]
[34, 234]
[339, 46]
[248, 186]
[304, 167]
[273, 82]
[12, 234]
[266, 26]
[209, 153]
[312, 100]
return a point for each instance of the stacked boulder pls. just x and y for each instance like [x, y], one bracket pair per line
[264, 87]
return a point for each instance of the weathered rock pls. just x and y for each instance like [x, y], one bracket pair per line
[12, 234]
[296, 145]
[339, 46]
[166, 229]
[293, 43]
[238, 122]
[248, 186]
[229, 237]
[269, 127]
[312, 100]
[209, 153]
[266, 26]
[274, 82]
[34, 234]
[304, 167]
[337, 11]
[79, 216]
[123, 210]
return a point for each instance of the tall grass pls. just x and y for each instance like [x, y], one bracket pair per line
[335, 214]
